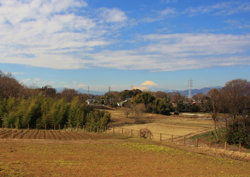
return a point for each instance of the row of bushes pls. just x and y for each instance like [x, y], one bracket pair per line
[40, 111]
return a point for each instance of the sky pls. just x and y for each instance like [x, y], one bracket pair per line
[124, 44]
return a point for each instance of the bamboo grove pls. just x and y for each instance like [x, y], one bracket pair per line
[40, 111]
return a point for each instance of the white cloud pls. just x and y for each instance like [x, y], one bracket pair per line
[36, 80]
[25, 81]
[141, 88]
[223, 8]
[74, 82]
[161, 15]
[168, 1]
[168, 11]
[63, 82]
[81, 85]
[51, 32]
[179, 51]
[113, 15]
[51, 82]
[17, 73]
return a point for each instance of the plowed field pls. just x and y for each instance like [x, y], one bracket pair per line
[50, 134]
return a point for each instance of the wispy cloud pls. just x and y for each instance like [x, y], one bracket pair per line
[18, 73]
[81, 85]
[53, 32]
[179, 51]
[25, 81]
[168, 1]
[36, 80]
[223, 8]
[161, 15]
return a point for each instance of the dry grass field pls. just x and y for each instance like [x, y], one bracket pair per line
[109, 157]
[178, 126]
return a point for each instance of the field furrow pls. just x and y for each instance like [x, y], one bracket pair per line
[70, 135]
[61, 135]
[57, 137]
[8, 134]
[65, 134]
[17, 133]
[20, 136]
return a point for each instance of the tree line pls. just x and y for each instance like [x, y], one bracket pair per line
[22, 107]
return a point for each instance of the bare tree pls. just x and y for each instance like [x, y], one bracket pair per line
[68, 94]
[139, 109]
[214, 96]
[9, 86]
[236, 96]
[126, 111]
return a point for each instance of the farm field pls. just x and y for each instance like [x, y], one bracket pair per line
[178, 126]
[50, 134]
[109, 157]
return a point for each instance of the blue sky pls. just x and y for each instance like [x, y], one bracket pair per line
[118, 43]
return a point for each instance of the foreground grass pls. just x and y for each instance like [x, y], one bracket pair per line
[110, 158]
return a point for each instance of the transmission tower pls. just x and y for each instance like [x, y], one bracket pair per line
[88, 91]
[190, 88]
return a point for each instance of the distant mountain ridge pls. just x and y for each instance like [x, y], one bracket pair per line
[59, 89]
[204, 90]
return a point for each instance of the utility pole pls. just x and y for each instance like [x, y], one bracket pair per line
[190, 88]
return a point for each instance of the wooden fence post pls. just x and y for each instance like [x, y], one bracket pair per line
[2, 125]
[240, 148]
[196, 142]
[64, 126]
[97, 129]
[54, 126]
[59, 126]
[36, 126]
[172, 139]
[10, 126]
[90, 129]
[28, 126]
[160, 137]
[83, 129]
[45, 126]
[210, 144]
[184, 139]
[225, 145]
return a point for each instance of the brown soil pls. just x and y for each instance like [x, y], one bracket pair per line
[26, 157]
[51, 134]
